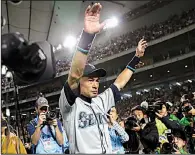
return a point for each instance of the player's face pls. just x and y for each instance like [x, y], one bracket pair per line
[89, 86]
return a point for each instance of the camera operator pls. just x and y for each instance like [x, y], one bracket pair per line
[117, 133]
[147, 130]
[46, 133]
[170, 120]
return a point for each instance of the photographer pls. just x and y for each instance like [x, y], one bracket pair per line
[188, 121]
[117, 133]
[132, 146]
[147, 130]
[188, 113]
[46, 133]
[170, 120]
[180, 141]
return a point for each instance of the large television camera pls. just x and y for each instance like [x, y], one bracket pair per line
[152, 105]
[131, 123]
[29, 62]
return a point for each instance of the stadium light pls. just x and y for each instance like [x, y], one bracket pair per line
[186, 66]
[69, 42]
[110, 23]
[168, 71]
[151, 75]
[3, 70]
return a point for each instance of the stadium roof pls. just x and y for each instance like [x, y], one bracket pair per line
[53, 20]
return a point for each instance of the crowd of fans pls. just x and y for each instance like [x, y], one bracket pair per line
[171, 93]
[179, 94]
[143, 9]
[130, 39]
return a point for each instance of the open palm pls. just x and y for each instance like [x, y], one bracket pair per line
[142, 45]
[92, 16]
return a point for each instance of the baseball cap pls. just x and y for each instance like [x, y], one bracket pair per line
[92, 71]
[41, 102]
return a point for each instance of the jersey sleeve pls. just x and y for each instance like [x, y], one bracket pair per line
[109, 97]
[66, 100]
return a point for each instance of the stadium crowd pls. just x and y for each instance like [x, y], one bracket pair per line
[129, 40]
[182, 100]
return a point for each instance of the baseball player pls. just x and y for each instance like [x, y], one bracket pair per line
[83, 109]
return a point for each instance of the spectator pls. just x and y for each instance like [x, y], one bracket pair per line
[117, 133]
[10, 143]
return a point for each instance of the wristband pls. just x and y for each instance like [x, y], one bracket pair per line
[85, 42]
[132, 63]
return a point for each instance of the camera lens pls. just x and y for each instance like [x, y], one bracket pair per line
[50, 115]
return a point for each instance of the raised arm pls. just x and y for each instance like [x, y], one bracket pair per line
[126, 74]
[91, 27]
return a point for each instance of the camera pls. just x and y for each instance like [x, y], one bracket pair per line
[168, 147]
[186, 108]
[130, 123]
[51, 115]
[151, 105]
[155, 107]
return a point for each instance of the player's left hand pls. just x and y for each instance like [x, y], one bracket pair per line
[141, 48]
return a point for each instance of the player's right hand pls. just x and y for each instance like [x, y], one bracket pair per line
[42, 118]
[92, 16]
